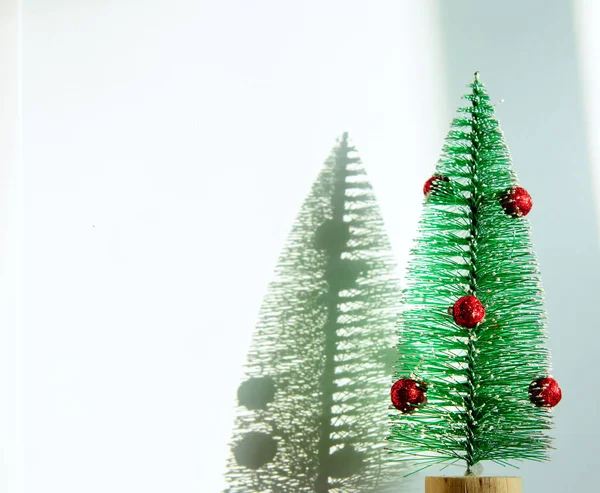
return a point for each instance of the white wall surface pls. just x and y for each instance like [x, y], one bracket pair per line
[10, 456]
[167, 148]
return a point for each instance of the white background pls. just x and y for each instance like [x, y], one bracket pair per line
[11, 462]
[167, 147]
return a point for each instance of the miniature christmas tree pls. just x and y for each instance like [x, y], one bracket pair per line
[310, 415]
[473, 378]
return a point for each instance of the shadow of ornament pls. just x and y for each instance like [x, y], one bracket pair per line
[255, 450]
[256, 393]
[332, 235]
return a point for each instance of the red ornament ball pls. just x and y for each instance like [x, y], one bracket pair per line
[545, 392]
[516, 202]
[432, 182]
[468, 311]
[408, 395]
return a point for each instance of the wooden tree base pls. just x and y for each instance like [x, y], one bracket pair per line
[472, 484]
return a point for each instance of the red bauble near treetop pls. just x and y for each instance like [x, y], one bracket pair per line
[545, 392]
[516, 202]
[432, 182]
[408, 394]
[468, 311]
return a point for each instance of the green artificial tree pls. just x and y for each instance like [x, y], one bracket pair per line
[472, 375]
[311, 407]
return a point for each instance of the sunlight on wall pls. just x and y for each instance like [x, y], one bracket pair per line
[587, 17]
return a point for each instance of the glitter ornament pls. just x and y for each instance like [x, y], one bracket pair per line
[545, 392]
[468, 311]
[255, 450]
[433, 182]
[256, 392]
[516, 202]
[408, 395]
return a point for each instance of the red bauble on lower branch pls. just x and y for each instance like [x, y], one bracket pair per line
[516, 202]
[468, 311]
[545, 392]
[408, 395]
[433, 182]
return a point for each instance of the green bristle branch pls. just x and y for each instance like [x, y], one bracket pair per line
[478, 406]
